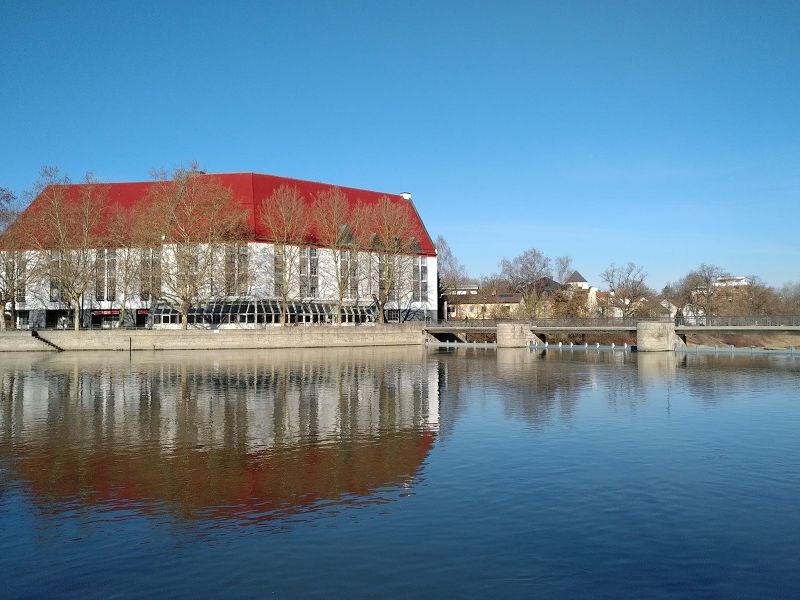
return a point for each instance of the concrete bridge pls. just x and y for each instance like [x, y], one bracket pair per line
[651, 334]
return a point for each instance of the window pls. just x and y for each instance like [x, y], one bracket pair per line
[187, 265]
[353, 279]
[56, 292]
[22, 276]
[14, 265]
[423, 284]
[371, 274]
[348, 273]
[105, 279]
[309, 276]
[387, 270]
[166, 319]
[415, 280]
[237, 282]
[150, 274]
[419, 280]
[279, 271]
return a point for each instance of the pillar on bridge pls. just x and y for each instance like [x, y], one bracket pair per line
[656, 337]
[513, 335]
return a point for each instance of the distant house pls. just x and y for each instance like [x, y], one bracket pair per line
[577, 281]
[463, 290]
[609, 306]
[605, 306]
[578, 284]
[483, 305]
[691, 314]
[728, 295]
[669, 308]
[546, 285]
[657, 308]
[732, 281]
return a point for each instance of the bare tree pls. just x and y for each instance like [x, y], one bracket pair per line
[285, 215]
[393, 243]
[753, 298]
[64, 228]
[628, 287]
[760, 299]
[129, 234]
[12, 258]
[193, 217]
[334, 220]
[494, 282]
[452, 273]
[695, 293]
[563, 268]
[530, 274]
[789, 298]
[569, 303]
[8, 212]
[697, 288]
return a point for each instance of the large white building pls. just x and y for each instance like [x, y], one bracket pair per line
[243, 289]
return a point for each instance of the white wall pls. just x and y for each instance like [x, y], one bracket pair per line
[261, 264]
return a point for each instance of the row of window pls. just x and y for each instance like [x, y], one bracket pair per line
[237, 279]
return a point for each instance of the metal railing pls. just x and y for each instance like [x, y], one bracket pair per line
[459, 323]
[565, 322]
[598, 321]
[734, 321]
[740, 321]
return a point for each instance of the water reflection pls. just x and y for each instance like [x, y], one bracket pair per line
[714, 378]
[246, 435]
[551, 474]
[262, 434]
[545, 387]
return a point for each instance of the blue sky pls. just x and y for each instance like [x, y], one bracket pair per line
[663, 133]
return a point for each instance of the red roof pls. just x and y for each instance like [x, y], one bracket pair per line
[251, 188]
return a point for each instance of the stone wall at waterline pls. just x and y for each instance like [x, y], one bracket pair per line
[271, 337]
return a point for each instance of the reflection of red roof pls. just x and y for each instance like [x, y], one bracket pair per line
[222, 482]
[251, 188]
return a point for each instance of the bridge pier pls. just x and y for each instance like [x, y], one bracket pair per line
[514, 335]
[656, 337]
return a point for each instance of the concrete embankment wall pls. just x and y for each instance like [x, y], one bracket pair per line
[271, 337]
[20, 341]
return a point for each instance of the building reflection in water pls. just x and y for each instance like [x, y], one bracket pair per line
[252, 436]
[239, 435]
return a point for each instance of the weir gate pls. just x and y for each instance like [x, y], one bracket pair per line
[651, 334]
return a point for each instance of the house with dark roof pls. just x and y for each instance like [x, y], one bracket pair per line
[245, 292]
[578, 281]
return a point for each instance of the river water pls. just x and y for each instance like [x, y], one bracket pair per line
[399, 472]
